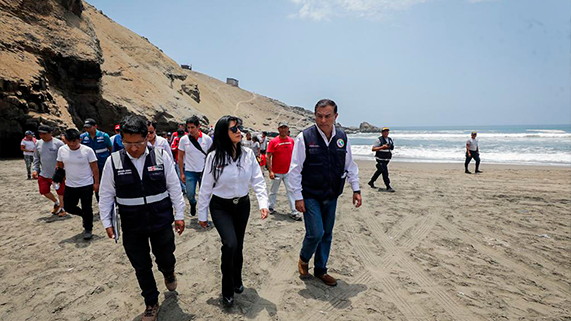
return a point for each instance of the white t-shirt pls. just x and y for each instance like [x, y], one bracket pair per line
[29, 145]
[473, 144]
[193, 158]
[76, 164]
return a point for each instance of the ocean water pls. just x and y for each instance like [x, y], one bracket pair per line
[524, 145]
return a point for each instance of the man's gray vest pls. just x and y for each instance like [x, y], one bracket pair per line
[323, 174]
[144, 205]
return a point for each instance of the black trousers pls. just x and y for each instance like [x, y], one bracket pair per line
[72, 196]
[230, 221]
[137, 248]
[475, 156]
[382, 168]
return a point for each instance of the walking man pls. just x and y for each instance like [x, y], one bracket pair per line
[81, 178]
[321, 162]
[45, 166]
[28, 146]
[279, 153]
[154, 140]
[472, 151]
[192, 149]
[98, 141]
[143, 183]
[382, 148]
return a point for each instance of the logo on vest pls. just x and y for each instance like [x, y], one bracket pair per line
[340, 143]
[124, 172]
[155, 168]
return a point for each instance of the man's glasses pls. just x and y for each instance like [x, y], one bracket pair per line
[137, 144]
[151, 132]
[236, 128]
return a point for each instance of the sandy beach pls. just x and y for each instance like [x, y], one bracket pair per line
[445, 246]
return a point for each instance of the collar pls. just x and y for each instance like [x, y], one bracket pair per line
[333, 133]
[142, 156]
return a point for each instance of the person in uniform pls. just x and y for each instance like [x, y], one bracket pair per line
[383, 153]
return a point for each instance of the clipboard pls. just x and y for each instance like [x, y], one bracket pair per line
[116, 222]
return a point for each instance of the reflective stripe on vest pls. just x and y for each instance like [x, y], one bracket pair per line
[141, 200]
[116, 158]
[102, 150]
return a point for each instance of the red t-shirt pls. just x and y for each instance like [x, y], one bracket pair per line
[281, 150]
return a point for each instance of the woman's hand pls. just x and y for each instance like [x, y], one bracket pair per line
[264, 212]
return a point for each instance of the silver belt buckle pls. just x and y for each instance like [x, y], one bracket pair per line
[235, 201]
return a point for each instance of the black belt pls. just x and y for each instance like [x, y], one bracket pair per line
[234, 200]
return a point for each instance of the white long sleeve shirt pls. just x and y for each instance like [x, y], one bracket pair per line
[107, 190]
[234, 182]
[298, 158]
[160, 142]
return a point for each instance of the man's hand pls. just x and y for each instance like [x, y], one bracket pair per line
[96, 187]
[182, 178]
[179, 226]
[272, 175]
[469, 154]
[204, 224]
[265, 213]
[110, 232]
[357, 200]
[35, 175]
[300, 206]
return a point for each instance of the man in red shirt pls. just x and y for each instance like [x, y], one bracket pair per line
[279, 158]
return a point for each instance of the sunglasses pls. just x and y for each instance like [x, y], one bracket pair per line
[236, 128]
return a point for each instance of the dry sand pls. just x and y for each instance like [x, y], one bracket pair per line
[445, 246]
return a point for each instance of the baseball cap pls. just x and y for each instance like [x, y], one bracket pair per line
[385, 128]
[89, 122]
[282, 124]
[474, 132]
[45, 129]
[29, 132]
[117, 127]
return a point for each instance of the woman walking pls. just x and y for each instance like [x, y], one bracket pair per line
[228, 172]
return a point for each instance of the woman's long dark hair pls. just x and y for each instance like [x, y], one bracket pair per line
[223, 147]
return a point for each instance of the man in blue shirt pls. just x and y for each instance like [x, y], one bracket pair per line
[98, 141]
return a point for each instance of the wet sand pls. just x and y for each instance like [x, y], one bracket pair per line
[445, 246]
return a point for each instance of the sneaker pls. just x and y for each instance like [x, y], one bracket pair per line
[56, 208]
[371, 184]
[272, 211]
[192, 209]
[327, 279]
[390, 190]
[170, 282]
[151, 313]
[295, 216]
[467, 172]
[87, 235]
[227, 301]
[239, 289]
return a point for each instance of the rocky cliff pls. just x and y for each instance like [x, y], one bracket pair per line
[62, 61]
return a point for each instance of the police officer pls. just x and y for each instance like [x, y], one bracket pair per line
[382, 148]
[321, 161]
[98, 141]
[143, 183]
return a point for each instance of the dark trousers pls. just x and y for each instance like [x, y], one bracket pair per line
[475, 156]
[71, 198]
[382, 168]
[137, 248]
[100, 166]
[230, 221]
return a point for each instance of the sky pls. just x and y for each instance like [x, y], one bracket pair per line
[387, 62]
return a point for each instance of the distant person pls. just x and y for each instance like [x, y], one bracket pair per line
[117, 140]
[472, 151]
[256, 147]
[81, 178]
[156, 141]
[321, 162]
[229, 172]
[143, 182]
[45, 166]
[264, 142]
[382, 148]
[181, 126]
[98, 141]
[211, 131]
[191, 155]
[117, 132]
[279, 153]
[248, 141]
[174, 150]
[28, 147]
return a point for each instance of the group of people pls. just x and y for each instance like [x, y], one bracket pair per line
[143, 177]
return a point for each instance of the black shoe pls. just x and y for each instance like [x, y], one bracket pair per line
[192, 209]
[227, 301]
[390, 190]
[371, 184]
[478, 171]
[467, 172]
[239, 289]
[87, 235]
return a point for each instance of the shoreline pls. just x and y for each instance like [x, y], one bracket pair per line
[460, 165]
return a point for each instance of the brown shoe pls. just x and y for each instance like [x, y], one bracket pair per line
[170, 282]
[303, 268]
[151, 313]
[327, 279]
